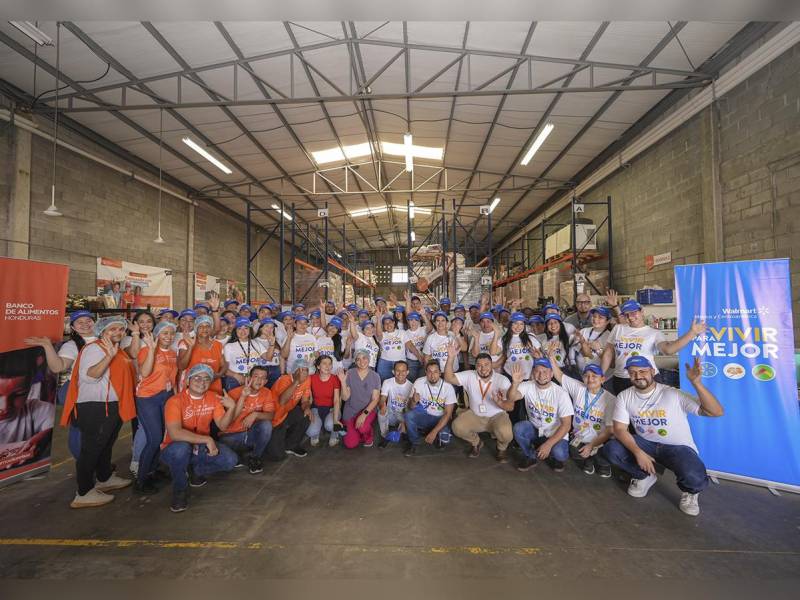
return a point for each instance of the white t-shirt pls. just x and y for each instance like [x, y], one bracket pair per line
[481, 394]
[416, 337]
[263, 346]
[91, 389]
[69, 351]
[591, 336]
[485, 342]
[325, 348]
[592, 413]
[560, 354]
[393, 346]
[180, 336]
[302, 347]
[366, 343]
[659, 416]
[317, 331]
[518, 353]
[241, 356]
[634, 341]
[546, 407]
[433, 397]
[397, 395]
[436, 347]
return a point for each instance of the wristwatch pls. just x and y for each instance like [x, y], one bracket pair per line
[365, 411]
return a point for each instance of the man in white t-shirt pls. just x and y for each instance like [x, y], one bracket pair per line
[395, 393]
[429, 410]
[544, 434]
[638, 339]
[658, 414]
[486, 394]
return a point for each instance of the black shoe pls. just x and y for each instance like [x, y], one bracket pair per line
[254, 465]
[438, 444]
[526, 464]
[556, 465]
[239, 462]
[410, 450]
[197, 480]
[588, 467]
[299, 452]
[383, 443]
[179, 503]
[604, 472]
[145, 489]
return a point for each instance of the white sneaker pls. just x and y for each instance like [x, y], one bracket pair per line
[315, 441]
[134, 467]
[92, 498]
[112, 483]
[638, 488]
[334, 441]
[689, 504]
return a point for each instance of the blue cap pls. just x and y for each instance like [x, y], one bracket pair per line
[242, 322]
[300, 318]
[503, 309]
[253, 316]
[227, 303]
[458, 318]
[399, 308]
[439, 313]
[542, 362]
[602, 311]
[342, 313]
[536, 319]
[245, 307]
[75, 315]
[264, 306]
[164, 311]
[298, 305]
[365, 324]
[638, 361]
[487, 315]
[630, 306]
[497, 307]
[394, 436]
[387, 318]
[201, 305]
[518, 317]
[187, 313]
[380, 299]
[444, 300]
[331, 302]
[266, 321]
[550, 306]
[274, 306]
[316, 313]
[414, 315]
[336, 322]
[553, 317]
[363, 311]
[474, 305]
[283, 314]
[352, 307]
[593, 368]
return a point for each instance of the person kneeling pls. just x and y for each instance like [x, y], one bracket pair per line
[188, 445]
[430, 410]
[658, 413]
[395, 393]
[292, 413]
[251, 428]
[544, 434]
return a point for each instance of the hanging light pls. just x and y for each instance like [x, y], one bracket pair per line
[52, 210]
[159, 239]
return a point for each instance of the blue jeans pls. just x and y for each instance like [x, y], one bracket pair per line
[274, 374]
[229, 383]
[179, 456]
[419, 423]
[254, 439]
[323, 416]
[150, 411]
[384, 369]
[529, 439]
[689, 470]
[414, 369]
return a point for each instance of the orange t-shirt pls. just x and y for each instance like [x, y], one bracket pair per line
[193, 415]
[162, 377]
[208, 356]
[301, 391]
[263, 401]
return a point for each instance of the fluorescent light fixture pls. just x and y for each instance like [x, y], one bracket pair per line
[414, 210]
[207, 155]
[33, 32]
[413, 237]
[285, 214]
[416, 151]
[362, 212]
[335, 154]
[494, 204]
[537, 143]
[411, 211]
[409, 152]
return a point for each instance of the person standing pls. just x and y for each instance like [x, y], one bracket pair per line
[361, 388]
[436, 345]
[430, 410]
[201, 348]
[241, 354]
[270, 350]
[392, 346]
[581, 318]
[486, 339]
[292, 413]
[300, 345]
[591, 341]
[100, 398]
[658, 415]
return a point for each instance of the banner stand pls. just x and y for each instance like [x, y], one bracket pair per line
[773, 486]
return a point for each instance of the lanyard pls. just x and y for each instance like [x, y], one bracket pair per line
[438, 392]
[247, 355]
[588, 406]
[484, 391]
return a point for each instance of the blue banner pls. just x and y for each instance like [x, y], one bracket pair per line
[747, 357]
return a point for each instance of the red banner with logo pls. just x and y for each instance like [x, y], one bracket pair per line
[32, 300]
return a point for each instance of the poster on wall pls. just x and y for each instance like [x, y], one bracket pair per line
[32, 297]
[204, 286]
[134, 286]
[747, 358]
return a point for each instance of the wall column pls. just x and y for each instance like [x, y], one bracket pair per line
[19, 210]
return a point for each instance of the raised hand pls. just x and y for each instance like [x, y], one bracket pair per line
[453, 348]
[694, 373]
[516, 374]
[698, 327]
[246, 389]
[37, 341]
[227, 401]
[134, 327]
[342, 375]
[110, 347]
[213, 300]
[393, 298]
[149, 340]
[612, 298]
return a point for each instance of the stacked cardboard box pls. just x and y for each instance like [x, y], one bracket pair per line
[512, 291]
[600, 280]
[567, 293]
[551, 282]
[531, 289]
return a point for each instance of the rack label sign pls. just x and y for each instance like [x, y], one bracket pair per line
[653, 260]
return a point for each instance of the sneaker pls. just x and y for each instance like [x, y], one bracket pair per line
[604, 472]
[113, 483]
[255, 466]
[383, 443]
[147, 488]
[314, 442]
[410, 450]
[501, 456]
[197, 480]
[588, 467]
[526, 464]
[92, 498]
[299, 452]
[334, 441]
[437, 443]
[239, 462]
[556, 465]
[179, 503]
[475, 451]
[638, 488]
[689, 504]
[134, 467]
[369, 444]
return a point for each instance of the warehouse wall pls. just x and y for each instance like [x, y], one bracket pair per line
[108, 214]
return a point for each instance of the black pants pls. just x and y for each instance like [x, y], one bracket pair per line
[98, 434]
[288, 434]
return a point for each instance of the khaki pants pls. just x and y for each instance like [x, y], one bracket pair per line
[468, 425]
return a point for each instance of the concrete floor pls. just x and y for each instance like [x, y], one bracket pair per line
[371, 513]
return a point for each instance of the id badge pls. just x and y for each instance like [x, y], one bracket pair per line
[576, 442]
[169, 386]
[482, 408]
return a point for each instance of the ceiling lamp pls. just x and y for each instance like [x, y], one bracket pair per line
[282, 212]
[412, 150]
[537, 143]
[207, 155]
[33, 32]
[362, 212]
[494, 204]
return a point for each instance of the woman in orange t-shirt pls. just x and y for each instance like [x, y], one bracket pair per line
[202, 349]
[158, 370]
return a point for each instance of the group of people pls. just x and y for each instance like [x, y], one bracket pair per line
[222, 386]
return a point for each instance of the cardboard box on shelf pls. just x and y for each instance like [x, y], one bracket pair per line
[512, 291]
[567, 293]
[551, 281]
[600, 280]
[531, 289]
